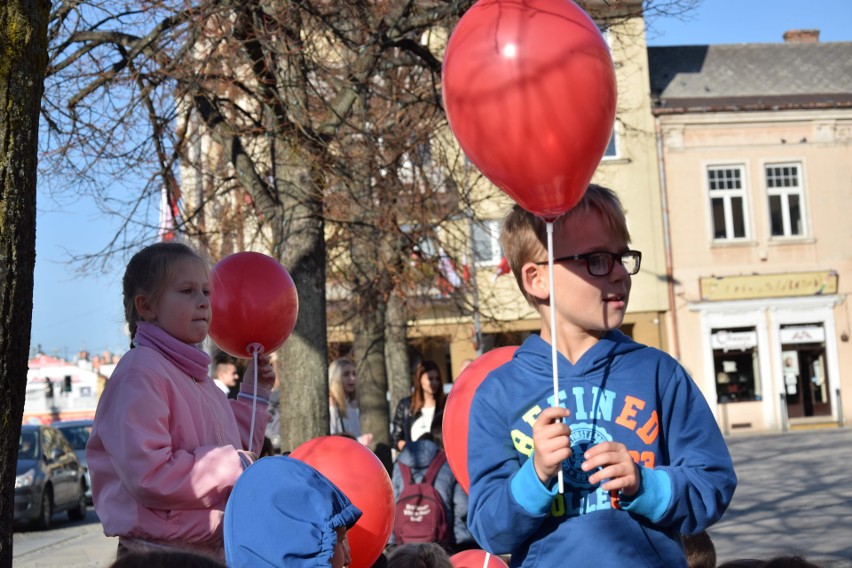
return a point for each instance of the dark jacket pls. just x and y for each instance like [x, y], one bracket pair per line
[418, 455]
[403, 419]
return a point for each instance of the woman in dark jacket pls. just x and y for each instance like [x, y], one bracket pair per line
[423, 411]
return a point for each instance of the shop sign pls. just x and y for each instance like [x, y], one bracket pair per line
[802, 334]
[729, 340]
[717, 288]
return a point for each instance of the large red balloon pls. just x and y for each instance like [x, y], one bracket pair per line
[254, 301]
[356, 471]
[529, 90]
[457, 409]
[475, 558]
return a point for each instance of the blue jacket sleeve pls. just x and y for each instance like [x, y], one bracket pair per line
[495, 518]
[699, 464]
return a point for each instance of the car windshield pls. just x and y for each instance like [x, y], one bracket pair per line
[28, 446]
[77, 436]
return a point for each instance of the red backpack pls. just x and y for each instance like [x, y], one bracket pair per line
[420, 514]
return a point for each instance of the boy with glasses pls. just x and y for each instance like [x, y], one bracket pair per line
[641, 456]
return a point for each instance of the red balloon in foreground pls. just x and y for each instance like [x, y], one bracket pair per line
[529, 90]
[475, 558]
[457, 409]
[254, 300]
[356, 471]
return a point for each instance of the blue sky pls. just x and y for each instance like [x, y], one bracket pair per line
[73, 311]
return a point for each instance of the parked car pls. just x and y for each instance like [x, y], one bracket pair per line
[77, 433]
[49, 478]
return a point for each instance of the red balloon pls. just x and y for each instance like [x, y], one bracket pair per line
[457, 409]
[254, 301]
[529, 90]
[475, 558]
[356, 471]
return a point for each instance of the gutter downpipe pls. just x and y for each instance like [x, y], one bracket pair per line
[667, 242]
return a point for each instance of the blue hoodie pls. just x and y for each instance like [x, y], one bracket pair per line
[618, 391]
[283, 513]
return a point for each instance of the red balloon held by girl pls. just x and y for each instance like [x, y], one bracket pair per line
[529, 91]
[356, 471]
[254, 301]
[457, 409]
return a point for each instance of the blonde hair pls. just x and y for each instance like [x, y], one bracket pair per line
[335, 383]
[149, 272]
[523, 236]
[419, 555]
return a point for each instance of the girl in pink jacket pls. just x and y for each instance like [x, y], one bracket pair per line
[167, 445]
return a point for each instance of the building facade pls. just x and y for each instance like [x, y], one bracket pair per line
[756, 155]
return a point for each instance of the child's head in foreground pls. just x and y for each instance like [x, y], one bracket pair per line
[283, 512]
[592, 263]
[161, 279]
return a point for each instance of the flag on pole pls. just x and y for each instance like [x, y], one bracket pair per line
[502, 268]
[167, 227]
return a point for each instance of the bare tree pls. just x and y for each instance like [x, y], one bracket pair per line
[289, 121]
[23, 59]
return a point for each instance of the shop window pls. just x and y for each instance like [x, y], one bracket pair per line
[735, 365]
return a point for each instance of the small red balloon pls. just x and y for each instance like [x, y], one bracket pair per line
[475, 558]
[356, 471]
[529, 91]
[254, 301]
[457, 409]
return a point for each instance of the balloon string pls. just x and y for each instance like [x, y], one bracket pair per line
[255, 349]
[487, 558]
[553, 357]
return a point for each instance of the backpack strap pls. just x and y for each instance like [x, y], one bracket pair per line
[434, 467]
[407, 476]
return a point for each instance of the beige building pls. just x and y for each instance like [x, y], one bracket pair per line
[757, 159]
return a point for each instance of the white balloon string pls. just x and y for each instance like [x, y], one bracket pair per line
[255, 349]
[487, 558]
[553, 356]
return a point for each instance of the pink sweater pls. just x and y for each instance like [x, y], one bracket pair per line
[163, 452]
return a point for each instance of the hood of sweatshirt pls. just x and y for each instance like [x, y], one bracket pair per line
[534, 357]
[418, 454]
[283, 512]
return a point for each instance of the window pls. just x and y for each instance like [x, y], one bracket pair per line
[786, 200]
[486, 242]
[611, 148]
[735, 354]
[727, 202]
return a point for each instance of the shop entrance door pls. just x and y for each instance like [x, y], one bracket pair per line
[806, 381]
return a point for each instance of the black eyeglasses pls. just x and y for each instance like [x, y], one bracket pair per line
[602, 263]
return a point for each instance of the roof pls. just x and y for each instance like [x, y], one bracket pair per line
[750, 76]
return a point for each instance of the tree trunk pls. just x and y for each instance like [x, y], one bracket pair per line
[396, 349]
[23, 59]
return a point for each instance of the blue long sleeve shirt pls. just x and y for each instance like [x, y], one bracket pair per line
[618, 391]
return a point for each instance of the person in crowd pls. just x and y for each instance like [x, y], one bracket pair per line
[166, 445]
[699, 549]
[419, 555]
[343, 406]
[623, 455]
[283, 513]
[417, 456]
[226, 377]
[782, 561]
[423, 411]
[165, 559]
[273, 426]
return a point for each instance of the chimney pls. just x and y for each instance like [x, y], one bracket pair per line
[801, 36]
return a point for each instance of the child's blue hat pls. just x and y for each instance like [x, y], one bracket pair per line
[284, 513]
